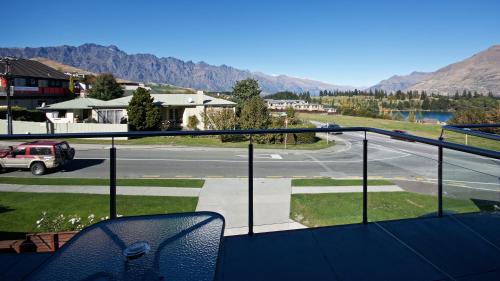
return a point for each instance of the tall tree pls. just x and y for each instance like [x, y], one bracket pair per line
[243, 91]
[254, 115]
[105, 87]
[143, 115]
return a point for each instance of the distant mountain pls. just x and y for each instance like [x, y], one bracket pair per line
[480, 73]
[67, 68]
[400, 82]
[149, 68]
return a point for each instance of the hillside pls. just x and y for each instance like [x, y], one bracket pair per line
[480, 73]
[149, 68]
[400, 82]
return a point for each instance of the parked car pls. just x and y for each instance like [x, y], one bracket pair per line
[38, 156]
[400, 138]
[333, 126]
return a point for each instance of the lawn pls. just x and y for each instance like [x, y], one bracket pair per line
[204, 142]
[19, 211]
[344, 208]
[334, 182]
[94, 181]
[423, 130]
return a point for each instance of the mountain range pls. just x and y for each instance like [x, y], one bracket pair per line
[480, 72]
[150, 68]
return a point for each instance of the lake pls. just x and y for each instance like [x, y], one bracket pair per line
[438, 115]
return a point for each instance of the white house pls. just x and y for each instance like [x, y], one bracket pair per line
[300, 105]
[175, 109]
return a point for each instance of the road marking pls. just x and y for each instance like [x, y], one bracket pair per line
[375, 177]
[299, 177]
[262, 156]
[183, 176]
[242, 177]
[151, 176]
[420, 178]
[399, 178]
[214, 177]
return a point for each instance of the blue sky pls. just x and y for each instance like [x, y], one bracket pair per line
[344, 42]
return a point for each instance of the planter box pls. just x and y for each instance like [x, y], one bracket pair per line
[44, 242]
[51, 241]
[64, 237]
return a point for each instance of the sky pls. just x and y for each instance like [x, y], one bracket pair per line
[355, 43]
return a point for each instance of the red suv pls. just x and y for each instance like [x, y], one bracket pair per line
[38, 156]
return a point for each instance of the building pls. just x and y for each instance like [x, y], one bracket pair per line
[175, 109]
[34, 84]
[299, 105]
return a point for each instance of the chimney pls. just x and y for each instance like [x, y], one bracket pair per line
[199, 97]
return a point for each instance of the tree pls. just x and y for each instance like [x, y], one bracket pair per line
[105, 87]
[143, 115]
[411, 116]
[220, 119]
[71, 84]
[254, 114]
[243, 91]
[193, 122]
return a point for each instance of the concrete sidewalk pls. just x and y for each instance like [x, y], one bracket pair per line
[90, 189]
[229, 197]
[343, 189]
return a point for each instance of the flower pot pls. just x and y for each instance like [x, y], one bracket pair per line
[44, 242]
[64, 237]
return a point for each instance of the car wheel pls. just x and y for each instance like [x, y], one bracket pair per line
[38, 169]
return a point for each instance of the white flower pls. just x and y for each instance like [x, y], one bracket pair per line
[91, 217]
[44, 213]
[73, 220]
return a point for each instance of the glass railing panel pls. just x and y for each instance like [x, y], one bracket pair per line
[471, 183]
[401, 179]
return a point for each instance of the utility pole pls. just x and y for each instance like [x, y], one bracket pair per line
[9, 90]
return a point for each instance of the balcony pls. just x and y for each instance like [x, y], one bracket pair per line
[378, 205]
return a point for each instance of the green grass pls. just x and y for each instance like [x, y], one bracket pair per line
[334, 182]
[203, 142]
[344, 208]
[92, 181]
[19, 211]
[418, 129]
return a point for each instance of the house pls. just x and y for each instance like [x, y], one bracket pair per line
[175, 109]
[34, 84]
[299, 105]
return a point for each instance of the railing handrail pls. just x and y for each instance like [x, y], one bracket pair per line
[466, 129]
[434, 142]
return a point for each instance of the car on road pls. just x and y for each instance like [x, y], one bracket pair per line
[332, 126]
[38, 156]
[401, 138]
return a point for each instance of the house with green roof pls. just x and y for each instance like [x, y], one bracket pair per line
[175, 109]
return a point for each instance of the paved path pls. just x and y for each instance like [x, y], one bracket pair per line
[90, 189]
[343, 189]
[229, 197]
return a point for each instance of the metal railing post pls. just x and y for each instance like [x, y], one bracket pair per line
[440, 181]
[112, 180]
[250, 187]
[365, 180]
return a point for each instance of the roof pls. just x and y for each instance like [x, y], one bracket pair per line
[172, 100]
[78, 103]
[31, 68]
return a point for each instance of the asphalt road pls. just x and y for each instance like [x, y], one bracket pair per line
[386, 158]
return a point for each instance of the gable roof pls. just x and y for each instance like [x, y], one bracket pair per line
[172, 100]
[159, 99]
[78, 103]
[31, 68]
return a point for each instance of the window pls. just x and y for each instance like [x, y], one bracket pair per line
[111, 116]
[40, 151]
[19, 151]
[20, 82]
[43, 83]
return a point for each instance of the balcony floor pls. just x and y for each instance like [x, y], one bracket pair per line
[455, 247]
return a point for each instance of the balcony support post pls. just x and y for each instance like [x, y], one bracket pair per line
[440, 181]
[112, 180]
[365, 180]
[250, 187]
